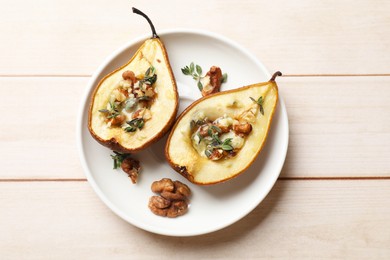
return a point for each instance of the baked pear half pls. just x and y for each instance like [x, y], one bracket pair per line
[136, 104]
[219, 136]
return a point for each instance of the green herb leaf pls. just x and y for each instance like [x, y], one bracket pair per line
[113, 115]
[150, 77]
[226, 147]
[118, 158]
[216, 139]
[228, 141]
[150, 71]
[260, 102]
[200, 86]
[147, 72]
[150, 80]
[209, 132]
[195, 71]
[186, 70]
[216, 128]
[113, 111]
[261, 110]
[224, 78]
[137, 123]
[199, 70]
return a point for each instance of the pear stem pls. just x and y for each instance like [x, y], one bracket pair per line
[137, 11]
[278, 73]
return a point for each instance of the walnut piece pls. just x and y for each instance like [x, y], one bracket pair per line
[159, 202]
[132, 168]
[173, 199]
[164, 184]
[244, 128]
[129, 75]
[177, 208]
[182, 189]
[215, 75]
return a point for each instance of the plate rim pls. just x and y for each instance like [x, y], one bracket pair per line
[84, 104]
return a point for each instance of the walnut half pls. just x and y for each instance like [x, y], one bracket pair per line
[173, 199]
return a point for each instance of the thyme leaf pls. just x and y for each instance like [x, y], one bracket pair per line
[195, 71]
[226, 147]
[216, 128]
[112, 112]
[200, 86]
[118, 158]
[198, 70]
[260, 102]
[216, 140]
[224, 78]
[137, 123]
[150, 77]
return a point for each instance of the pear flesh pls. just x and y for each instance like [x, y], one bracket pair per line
[163, 109]
[188, 160]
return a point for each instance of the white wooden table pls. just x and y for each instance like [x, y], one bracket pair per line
[332, 199]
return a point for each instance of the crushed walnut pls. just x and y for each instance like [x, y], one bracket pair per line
[130, 101]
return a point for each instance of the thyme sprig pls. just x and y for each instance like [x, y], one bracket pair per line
[118, 159]
[150, 77]
[195, 71]
[226, 145]
[260, 102]
[137, 123]
[113, 111]
[216, 143]
[194, 123]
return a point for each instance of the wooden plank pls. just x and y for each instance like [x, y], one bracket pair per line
[305, 37]
[339, 127]
[299, 219]
[37, 135]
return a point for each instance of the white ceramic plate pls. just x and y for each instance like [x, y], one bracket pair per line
[212, 207]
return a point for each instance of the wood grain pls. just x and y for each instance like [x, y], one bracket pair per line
[298, 219]
[37, 136]
[321, 37]
[331, 201]
[339, 127]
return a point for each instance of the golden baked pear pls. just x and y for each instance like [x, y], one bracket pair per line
[136, 104]
[219, 136]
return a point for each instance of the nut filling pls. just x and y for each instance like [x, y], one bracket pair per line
[223, 137]
[173, 200]
[129, 103]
